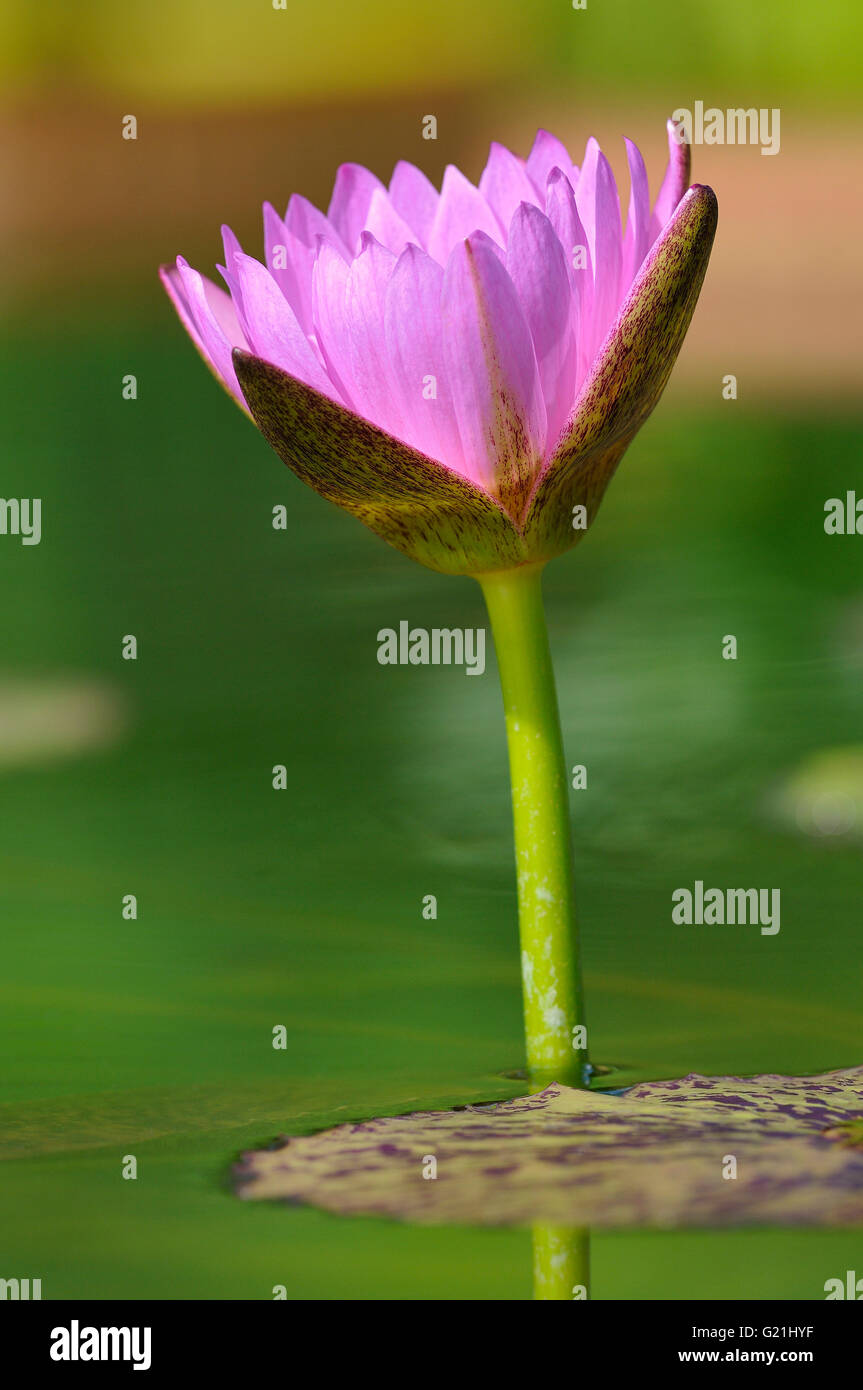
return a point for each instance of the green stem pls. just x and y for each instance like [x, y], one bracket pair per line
[543, 845]
[561, 1263]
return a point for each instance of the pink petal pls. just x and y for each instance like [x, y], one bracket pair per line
[491, 368]
[636, 241]
[232, 248]
[414, 339]
[372, 372]
[290, 262]
[272, 328]
[483, 239]
[537, 268]
[504, 184]
[386, 226]
[562, 213]
[170, 277]
[307, 223]
[675, 183]
[349, 205]
[548, 153]
[414, 198]
[329, 296]
[599, 210]
[461, 210]
[224, 311]
[216, 320]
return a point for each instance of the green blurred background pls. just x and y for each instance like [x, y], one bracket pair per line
[257, 647]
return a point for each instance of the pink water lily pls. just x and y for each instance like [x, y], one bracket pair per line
[461, 369]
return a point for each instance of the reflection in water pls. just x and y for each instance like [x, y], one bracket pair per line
[561, 1263]
[561, 1254]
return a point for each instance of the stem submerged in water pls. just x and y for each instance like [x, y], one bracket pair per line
[553, 1014]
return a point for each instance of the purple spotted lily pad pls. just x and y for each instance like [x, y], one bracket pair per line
[700, 1151]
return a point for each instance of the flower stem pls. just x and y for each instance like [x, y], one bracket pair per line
[561, 1263]
[553, 1015]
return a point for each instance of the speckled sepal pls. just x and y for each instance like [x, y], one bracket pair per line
[627, 379]
[415, 504]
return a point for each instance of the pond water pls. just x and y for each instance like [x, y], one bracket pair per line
[302, 909]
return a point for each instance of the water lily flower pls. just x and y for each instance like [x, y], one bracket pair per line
[462, 370]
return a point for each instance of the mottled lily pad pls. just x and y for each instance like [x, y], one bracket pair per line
[665, 1154]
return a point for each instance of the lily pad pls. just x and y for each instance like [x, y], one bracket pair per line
[699, 1151]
